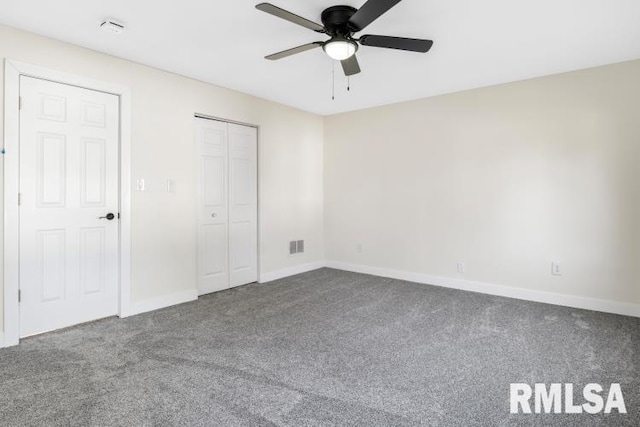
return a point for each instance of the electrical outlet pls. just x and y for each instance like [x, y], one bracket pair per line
[300, 246]
[293, 247]
[555, 269]
[460, 267]
[359, 248]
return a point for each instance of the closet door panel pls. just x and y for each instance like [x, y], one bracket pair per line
[213, 220]
[243, 204]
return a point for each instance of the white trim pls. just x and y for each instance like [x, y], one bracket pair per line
[125, 202]
[162, 302]
[11, 214]
[607, 306]
[290, 271]
[13, 71]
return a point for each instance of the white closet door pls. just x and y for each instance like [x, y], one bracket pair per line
[243, 204]
[228, 205]
[213, 235]
[68, 180]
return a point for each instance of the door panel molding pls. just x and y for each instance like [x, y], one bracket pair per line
[12, 72]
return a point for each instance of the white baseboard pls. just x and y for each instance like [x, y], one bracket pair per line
[161, 302]
[585, 303]
[291, 271]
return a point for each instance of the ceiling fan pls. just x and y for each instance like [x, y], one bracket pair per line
[341, 23]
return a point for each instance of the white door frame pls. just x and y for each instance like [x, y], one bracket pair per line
[12, 72]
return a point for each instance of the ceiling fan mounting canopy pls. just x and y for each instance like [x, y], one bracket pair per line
[340, 23]
[336, 20]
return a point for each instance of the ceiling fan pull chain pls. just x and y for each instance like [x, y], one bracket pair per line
[348, 83]
[333, 84]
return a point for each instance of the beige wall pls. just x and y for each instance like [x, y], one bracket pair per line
[163, 106]
[506, 179]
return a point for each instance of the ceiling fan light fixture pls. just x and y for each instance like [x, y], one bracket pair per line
[340, 48]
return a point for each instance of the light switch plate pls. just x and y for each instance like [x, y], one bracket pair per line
[555, 269]
[140, 184]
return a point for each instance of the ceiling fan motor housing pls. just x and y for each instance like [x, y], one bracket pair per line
[336, 20]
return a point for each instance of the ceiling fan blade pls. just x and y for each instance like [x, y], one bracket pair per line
[293, 51]
[350, 66]
[291, 17]
[369, 12]
[413, 45]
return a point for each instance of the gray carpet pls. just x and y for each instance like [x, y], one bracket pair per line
[321, 348]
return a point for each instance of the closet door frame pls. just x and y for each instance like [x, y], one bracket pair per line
[199, 116]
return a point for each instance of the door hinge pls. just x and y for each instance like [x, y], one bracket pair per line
[19, 295]
[19, 103]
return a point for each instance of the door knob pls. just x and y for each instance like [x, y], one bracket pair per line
[108, 216]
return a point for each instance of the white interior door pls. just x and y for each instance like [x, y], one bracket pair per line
[243, 205]
[228, 205]
[69, 142]
[213, 225]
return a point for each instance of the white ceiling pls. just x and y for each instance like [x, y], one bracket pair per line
[477, 43]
